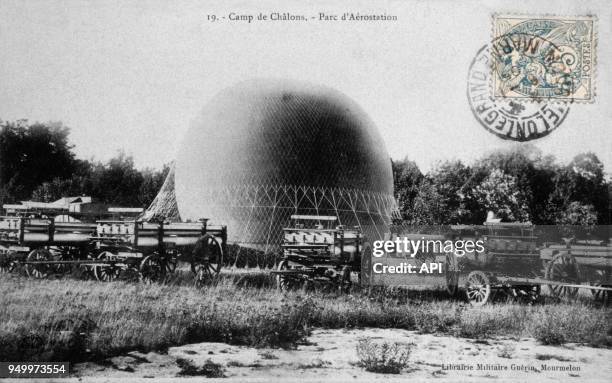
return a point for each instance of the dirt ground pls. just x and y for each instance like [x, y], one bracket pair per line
[330, 355]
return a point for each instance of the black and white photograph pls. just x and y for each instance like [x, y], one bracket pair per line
[305, 191]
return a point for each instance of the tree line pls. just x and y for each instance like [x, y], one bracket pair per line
[37, 162]
[519, 184]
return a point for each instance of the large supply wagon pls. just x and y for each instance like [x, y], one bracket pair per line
[108, 250]
[318, 251]
[43, 246]
[519, 261]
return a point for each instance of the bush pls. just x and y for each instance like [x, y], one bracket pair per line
[491, 320]
[548, 334]
[254, 325]
[383, 358]
[210, 369]
[63, 339]
[506, 351]
[283, 326]
[556, 325]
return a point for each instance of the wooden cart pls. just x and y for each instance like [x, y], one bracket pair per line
[517, 262]
[108, 250]
[318, 252]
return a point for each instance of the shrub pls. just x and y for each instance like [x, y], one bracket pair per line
[383, 358]
[485, 322]
[268, 355]
[282, 326]
[570, 323]
[507, 351]
[548, 334]
[317, 363]
[209, 369]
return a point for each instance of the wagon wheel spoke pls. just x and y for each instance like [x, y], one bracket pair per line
[563, 268]
[203, 274]
[288, 282]
[212, 269]
[207, 259]
[478, 288]
[106, 272]
[39, 270]
[152, 269]
[171, 265]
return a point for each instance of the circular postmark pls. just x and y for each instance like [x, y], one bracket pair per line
[508, 119]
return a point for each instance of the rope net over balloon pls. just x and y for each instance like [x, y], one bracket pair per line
[255, 215]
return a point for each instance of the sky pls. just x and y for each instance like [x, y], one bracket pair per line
[132, 75]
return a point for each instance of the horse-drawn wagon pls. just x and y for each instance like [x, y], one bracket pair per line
[42, 246]
[108, 250]
[518, 259]
[317, 251]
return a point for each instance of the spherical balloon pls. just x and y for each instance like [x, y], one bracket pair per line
[262, 150]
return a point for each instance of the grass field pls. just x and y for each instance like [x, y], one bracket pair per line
[78, 320]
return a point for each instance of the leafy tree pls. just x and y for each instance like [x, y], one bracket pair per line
[31, 154]
[581, 181]
[533, 173]
[500, 193]
[57, 188]
[406, 181]
[151, 184]
[116, 182]
[429, 207]
[589, 185]
[577, 213]
[454, 182]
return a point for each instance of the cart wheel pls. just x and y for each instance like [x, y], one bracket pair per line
[207, 259]
[38, 271]
[151, 269]
[528, 294]
[478, 288]
[452, 274]
[563, 268]
[288, 282]
[107, 272]
[63, 253]
[344, 281]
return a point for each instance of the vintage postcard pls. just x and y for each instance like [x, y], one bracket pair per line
[305, 191]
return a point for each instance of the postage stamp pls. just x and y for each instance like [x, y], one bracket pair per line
[508, 118]
[550, 58]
